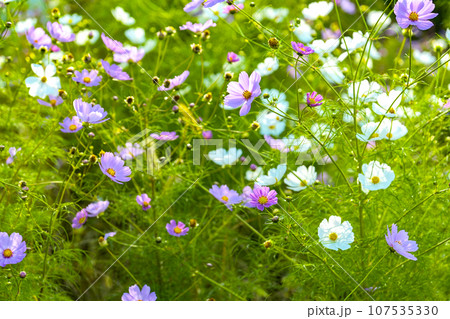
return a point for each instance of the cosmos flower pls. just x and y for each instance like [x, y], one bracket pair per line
[88, 113]
[221, 156]
[122, 16]
[301, 49]
[24, 25]
[271, 123]
[274, 175]
[136, 35]
[113, 45]
[171, 84]
[331, 71]
[387, 103]
[177, 229]
[233, 9]
[243, 93]
[267, 67]
[400, 243]
[232, 57]
[253, 173]
[95, 209]
[276, 144]
[365, 91]
[336, 235]
[88, 78]
[45, 83]
[393, 130]
[246, 191]
[324, 134]
[414, 13]
[321, 47]
[71, 125]
[38, 38]
[211, 3]
[60, 32]
[276, 102]
[301, 178]
[115, 71]
[207, 135]
[135, 294]
[130, 151]
[12, 249]
[375, 176]
[317, 9]
[294, 144]
[54, 101]
[87, 35]
[372, 131]
[262, 197]
[165, 136]
[113, 167]
[314, 99]
[129, 54]
[103, 240]
[191, 6]
[144, 201]
[373, 16]
[198, 27]
[12, 154]
[80, 219]
[347, 6]
[225, 195]
[70, 19]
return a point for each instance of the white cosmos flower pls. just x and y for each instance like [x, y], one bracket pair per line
[393, 130]
[424, 57]
[375, 176]
[301, 178]
[336, 235]
[299, 145]
[44, 83]
[85, 36]
[274, 175]
[70, 19]
[331, 71]
[149, 45]
[323, 133]
[136, 35]
[388, 103]
[304, 32]
[23, 26]
[271, 123]
[365, 91]
[276, 15]
[251, 175]
[276, 97]
[372, 131]
[321, 47]
[359, 40]
[373, 17]
[317, 9]
[267, 67]
[362, 116]
[122, 16]
[223, 157]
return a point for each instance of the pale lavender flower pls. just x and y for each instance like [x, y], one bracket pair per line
[95, 209]
[135, 294]
[113, 45]
[243, 93]
[414, 13]
[225, 195]
[165, 136]
[115, 71]
[191, 6]
[211, 3]
[114, 167]
[399, 242]
[88, 78]
[93, 114]
[80, 219]
[53, 101]
[38, 38]
[130, 151]
[71, 125]
[173, 83]
[177, 229]
[347, 6]
[132, 54]
[12, 249]
[59, 32]
[144, 201]
[198, 27]
[12, 152]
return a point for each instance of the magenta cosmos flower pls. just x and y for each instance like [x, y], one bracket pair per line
[177, 229]
[165, 136]
[198, 27]
[95, 209]
[225, 195]
[38, 38]
[131, 54]
[59, 32]
[301, 49]
[144, 201]
[113, 45]
[399, 242]
[88, 78]
[414, 13]
[88, 113]
[114, 167]
[243, 93]
[173, 83]
[262, 197]
[115, 71]
[71, 125]
[53, 101]
[232, 57]
[12, 249]
[135, 294]
[80, 219]
[314, 99]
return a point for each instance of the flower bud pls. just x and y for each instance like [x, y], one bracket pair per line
[274, 43]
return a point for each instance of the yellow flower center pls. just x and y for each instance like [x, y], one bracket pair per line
[7, 253]
[391, 110]
[145, 204]
[224, 198]
[247, 94]
[70, 21]
[87, 80]
[398, 242]
[52, 102]
[303, 183]
[389, 135]
[333, 236]
[375, 180]
[72, 127]
[263, 200]
[272, 127]
[374, 135]
[82, 220]
[413, 16]
[111, 172]
[177, 230]
[43, 79]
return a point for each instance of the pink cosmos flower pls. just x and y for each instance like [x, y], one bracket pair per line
[232, 57]
[165, 136]
[177, 229]
[171, 84]
[113, 45]
[262, 197]
[243, 93]
[59, 32]
[132, 54]
[38, 38]
[144, 201]
[198, 27]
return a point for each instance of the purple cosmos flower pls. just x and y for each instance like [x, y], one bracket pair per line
[113, 45]
[301, 49]
[246, 191]
[414, 13]
[71, 125]
[12, 249]
[347, 6]
[93, 114]
[198, 27]
[131, 54]
[243, 93]
[165, 136]
[88, 78]
[191, 6]
[54, 101]
[173, 83]
[80, 219]
[314, 99]
[398, 241]
[115, 71]
[277, 144]
[207, 135]
[12, 152]
[225, 195]
[103, 240]
[144, 201]
[262, 197]
[177, 229]
[135, 294]
[59, 32]
[113, 167]
[232, 57]
[211, 3]
[107, 235]
[95, 209]
[38, 38]
[130, 151]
